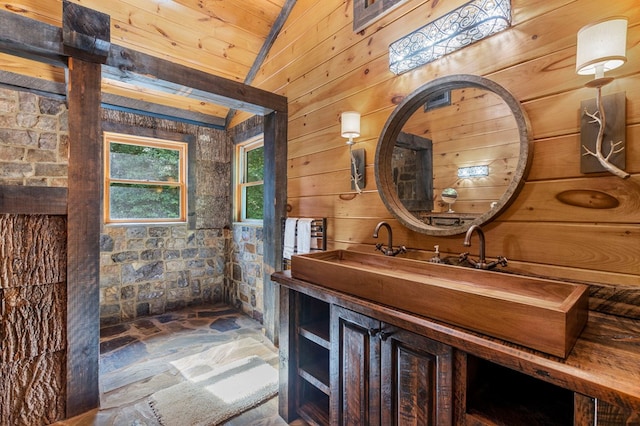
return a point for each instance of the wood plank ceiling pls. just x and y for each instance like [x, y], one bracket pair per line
[226, 38]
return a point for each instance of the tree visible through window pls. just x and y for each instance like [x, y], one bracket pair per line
[250, 178]
[145, 179]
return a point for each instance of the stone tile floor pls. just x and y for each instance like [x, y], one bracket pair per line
[135, 361]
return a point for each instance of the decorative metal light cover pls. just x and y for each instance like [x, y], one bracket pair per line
[461, 27]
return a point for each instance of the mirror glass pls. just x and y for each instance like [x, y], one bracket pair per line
[452, 154]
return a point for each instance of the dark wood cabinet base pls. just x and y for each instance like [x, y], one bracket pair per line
[349, 361]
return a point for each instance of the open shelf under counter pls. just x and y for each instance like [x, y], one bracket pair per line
[317, 332]
[314, 366]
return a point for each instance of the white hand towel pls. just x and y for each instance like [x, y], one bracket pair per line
[289, 237]
[304, 236]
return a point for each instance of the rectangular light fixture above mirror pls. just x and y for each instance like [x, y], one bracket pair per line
[461, 27]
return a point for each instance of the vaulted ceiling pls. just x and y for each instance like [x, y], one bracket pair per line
[225, 38]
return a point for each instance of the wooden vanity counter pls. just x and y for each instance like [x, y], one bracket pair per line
[604, 363]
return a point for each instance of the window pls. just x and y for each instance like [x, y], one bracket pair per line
[145, 179]
[250, 180]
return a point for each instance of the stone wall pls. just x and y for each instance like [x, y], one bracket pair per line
[148, 270]
[245, 288]
[34, 140]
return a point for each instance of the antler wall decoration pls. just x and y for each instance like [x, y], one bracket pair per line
[357, 178]
[614, 147]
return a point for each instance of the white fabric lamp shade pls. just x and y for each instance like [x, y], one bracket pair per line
[601, 47]
[350, 124]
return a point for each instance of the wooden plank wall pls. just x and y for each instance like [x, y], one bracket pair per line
[324, 68]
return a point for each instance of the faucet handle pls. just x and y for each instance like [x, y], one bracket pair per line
[394, 252]
[502, 261]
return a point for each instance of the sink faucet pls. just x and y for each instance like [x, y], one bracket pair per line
[389, 251]
[482, 261]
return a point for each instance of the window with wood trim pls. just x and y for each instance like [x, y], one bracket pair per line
[249, 192]
[145, 179]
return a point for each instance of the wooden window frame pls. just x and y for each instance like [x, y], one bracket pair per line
[181, 147]
[240, 175]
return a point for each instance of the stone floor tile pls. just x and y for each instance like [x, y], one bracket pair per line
[136, 361]
[116, 343]
[114, 330]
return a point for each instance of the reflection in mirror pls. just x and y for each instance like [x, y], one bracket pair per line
[462, 135]
[465, 139]
[449, 196]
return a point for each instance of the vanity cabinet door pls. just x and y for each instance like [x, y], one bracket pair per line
[416, 379]
[355, 369]
[384, 375]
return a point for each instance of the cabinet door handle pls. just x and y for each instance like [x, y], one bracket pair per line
[373, 332]
[383, 335]
[379, 333]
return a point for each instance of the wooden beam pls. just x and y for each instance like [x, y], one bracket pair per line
[131, 66]
[39, 41]
[33, 200]
[31, 39]
[83, 231]
[275, 201]
[413, 142]
[271, 38]
[47, 88]
[86, 33]
[111, 101]
[264, 50]
[146, 82]
[32, 84]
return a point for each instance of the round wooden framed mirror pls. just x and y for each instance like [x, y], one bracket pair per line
[460, 133]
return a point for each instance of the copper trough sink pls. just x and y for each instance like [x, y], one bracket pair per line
[541, 314]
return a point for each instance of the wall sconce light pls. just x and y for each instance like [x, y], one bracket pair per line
[350, 125]
[461, 27]
[602, 47]
[350, 128]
